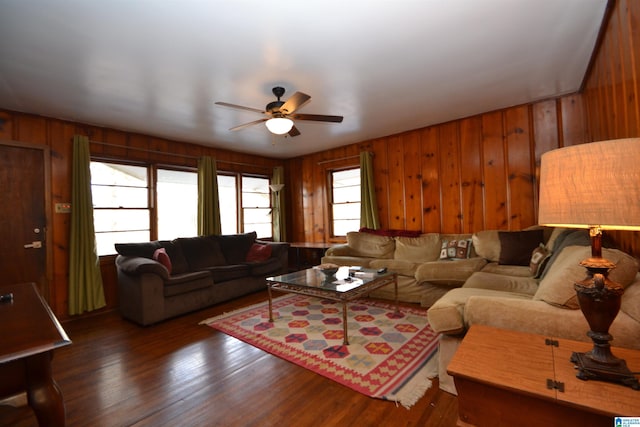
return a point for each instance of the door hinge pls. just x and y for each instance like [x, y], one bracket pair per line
[549, 341]
[558, 385]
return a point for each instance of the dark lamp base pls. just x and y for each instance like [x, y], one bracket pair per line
[614, 370]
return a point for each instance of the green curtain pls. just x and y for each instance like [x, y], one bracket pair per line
[277, 201]
[208, 199]
[368, 204]
[86, 292]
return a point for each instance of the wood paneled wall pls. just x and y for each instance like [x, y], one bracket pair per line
[478, 173]
[611, 95]
[58, 134]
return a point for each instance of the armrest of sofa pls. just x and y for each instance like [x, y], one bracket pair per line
[342, 249]
[536, 317]
[449, 273]
[139, 265]
[280, 251]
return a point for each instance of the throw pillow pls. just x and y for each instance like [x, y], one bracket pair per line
[418, 249]
[539, 258]
[556, 288]
[516, 246]
[258, 253]
[455, 249]
[161, 256]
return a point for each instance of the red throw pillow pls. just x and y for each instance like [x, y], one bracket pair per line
[259, 253]
[161, 256]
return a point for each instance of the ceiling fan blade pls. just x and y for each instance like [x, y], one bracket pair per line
[246, 125]
[296, 101]
[239, 107]
[317, 118]
[294, 132]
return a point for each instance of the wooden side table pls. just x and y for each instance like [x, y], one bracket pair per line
[507, 378]
[31, 333]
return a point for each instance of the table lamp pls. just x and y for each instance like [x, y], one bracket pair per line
[595, 186]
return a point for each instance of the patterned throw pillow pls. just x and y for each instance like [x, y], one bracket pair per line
[455, 249]
[539, 259]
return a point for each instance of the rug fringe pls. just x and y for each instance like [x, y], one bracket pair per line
[413, 390]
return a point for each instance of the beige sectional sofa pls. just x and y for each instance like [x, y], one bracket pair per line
[501, 283]
[545, 305]
[423, 275]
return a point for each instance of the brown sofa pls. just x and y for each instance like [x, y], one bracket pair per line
[162, 279]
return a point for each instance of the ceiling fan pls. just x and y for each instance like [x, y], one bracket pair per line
[281, 114]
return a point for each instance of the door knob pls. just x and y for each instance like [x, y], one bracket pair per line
[34, 245]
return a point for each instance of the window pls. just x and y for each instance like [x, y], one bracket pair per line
[121, 211]
[123, 203]
[256, 206]
[228, 195]
[345, 201]
[126, 208]
[177, 204]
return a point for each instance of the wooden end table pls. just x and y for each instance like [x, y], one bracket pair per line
[508, 378]
[30, 335]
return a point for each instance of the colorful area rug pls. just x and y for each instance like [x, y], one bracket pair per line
[390, 356]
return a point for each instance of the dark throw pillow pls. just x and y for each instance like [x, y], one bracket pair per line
[516, 247]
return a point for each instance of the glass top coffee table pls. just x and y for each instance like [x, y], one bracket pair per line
[340, 288]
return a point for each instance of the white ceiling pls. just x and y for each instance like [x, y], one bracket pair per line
[157, 66]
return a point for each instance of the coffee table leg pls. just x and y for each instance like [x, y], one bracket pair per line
[270, 304]
[345, 340]
[395, 285]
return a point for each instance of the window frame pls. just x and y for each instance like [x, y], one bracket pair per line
[152, 193]
[330, 194]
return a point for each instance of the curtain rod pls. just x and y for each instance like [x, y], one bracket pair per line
[337, 160]
[186, 156]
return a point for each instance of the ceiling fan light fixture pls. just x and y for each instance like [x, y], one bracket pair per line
[279, 125]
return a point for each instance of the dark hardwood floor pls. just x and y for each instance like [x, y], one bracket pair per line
[179, 373]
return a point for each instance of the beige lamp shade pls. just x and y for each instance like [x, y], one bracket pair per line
[592, 185]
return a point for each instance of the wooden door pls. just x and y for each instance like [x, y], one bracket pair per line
[23, 215]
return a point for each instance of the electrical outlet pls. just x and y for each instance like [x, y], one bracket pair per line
[63, 207]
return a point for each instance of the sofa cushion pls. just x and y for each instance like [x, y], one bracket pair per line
[448, 273]
[487, 244]
[259, 252]
[229, 272]
[145, 249]
[179, 263]
[371, 245]
[400, 266]
[186, 282]
[417, 249]
[347, 260]
[502, 283]
[235, 247]
[557, 286]
[630, 299]
[201, 252]
[263, 268]
[507, 270]
[516, 246]
[447, 314]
